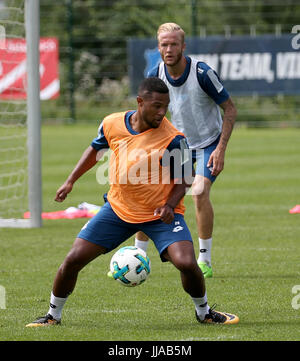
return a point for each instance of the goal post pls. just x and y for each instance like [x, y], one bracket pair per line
[32, 145]
[32, 21]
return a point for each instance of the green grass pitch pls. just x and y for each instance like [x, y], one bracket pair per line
[255, 255]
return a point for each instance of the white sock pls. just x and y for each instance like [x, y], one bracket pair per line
[56, 306]
[201, 306]
[141, 244]
[205, 251]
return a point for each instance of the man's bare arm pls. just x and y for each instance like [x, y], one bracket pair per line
[87, 161]
[217, 157]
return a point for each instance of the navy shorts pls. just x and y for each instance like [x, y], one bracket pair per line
[201, 157]
[108, 230]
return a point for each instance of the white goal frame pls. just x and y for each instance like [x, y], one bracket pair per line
[32, 29]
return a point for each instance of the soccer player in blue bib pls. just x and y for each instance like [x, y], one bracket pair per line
[196, 96]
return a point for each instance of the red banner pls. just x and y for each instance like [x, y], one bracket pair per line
[13, 78]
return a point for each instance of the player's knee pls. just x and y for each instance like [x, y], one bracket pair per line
[198, 190]
[185, 264]
[73, 262]
[201, 188]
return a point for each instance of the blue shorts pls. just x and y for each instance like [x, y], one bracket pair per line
[201, 157]
[108, 230]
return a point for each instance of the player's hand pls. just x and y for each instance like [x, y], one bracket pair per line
[166, 213]
[63, 191]
[216, 162]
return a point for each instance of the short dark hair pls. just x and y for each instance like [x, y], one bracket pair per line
[151, 85]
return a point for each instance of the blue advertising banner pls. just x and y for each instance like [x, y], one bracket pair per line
[263, 65]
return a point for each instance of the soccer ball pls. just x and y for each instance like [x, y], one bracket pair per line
[130, 266]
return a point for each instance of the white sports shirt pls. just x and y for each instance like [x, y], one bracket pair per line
[194, 101]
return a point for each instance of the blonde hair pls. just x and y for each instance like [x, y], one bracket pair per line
[169, 28]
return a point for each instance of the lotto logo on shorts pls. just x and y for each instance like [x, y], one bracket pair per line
[177, 229]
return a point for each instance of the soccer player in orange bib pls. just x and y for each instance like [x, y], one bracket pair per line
[146, 194]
